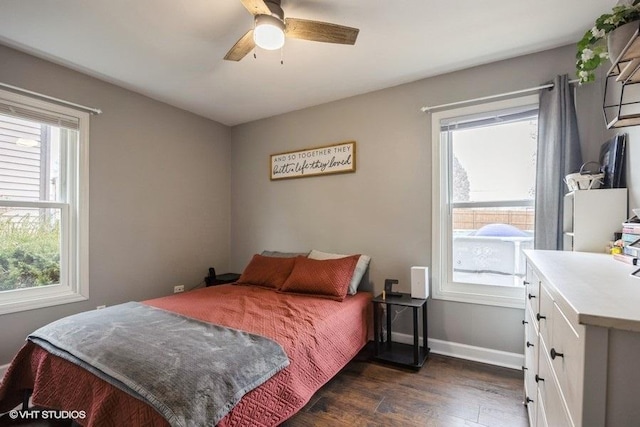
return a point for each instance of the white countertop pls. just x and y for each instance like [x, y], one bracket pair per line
[598, 288]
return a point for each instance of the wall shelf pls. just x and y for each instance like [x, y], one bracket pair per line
[621, 103]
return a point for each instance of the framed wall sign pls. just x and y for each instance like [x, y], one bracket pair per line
[328, 159]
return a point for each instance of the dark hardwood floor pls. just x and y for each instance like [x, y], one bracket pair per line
[445, 392]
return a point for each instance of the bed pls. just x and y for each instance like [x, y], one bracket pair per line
[320, 334]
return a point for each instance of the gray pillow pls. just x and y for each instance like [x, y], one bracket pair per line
[283, 254]
[358, 273]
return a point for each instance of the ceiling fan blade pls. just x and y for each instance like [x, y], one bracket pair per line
[320, 31]
[241, 48]
[256, 7]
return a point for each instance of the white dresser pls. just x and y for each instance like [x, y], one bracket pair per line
[582, 340]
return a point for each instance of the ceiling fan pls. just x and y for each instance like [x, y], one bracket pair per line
[271, 28]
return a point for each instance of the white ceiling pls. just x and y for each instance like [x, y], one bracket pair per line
[172, 50]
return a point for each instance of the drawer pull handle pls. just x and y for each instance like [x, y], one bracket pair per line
[528, 400]
[531, 296]
[538, 316]
[524, 282]
[529, 344]
[555, 354]
[524, 368]
[538, 379]
[524, 322]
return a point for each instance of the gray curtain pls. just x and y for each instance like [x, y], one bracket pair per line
[558, 155]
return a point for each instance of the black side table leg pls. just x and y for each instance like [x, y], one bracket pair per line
[416, 345]
[377, 333]
[425, 346]
[388, 308]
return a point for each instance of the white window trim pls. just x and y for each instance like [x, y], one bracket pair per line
[75, 219]
[443, 286]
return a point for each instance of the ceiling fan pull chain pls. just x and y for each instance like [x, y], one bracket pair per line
[282, 55]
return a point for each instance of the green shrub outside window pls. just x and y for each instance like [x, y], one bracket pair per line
[29, 252]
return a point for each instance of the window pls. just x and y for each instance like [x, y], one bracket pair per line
[483, 200]
[43, 204]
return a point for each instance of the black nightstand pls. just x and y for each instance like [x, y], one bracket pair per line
[405, 355]
[223, 279]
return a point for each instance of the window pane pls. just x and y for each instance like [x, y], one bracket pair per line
[488, 244]
[492, 182]
[495, 162]
[29, 247]
[30, 159]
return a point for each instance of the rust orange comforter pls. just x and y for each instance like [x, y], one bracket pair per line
[319, 336]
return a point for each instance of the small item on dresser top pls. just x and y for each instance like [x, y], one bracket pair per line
[630, 229]
[632, 248]
[617, 247]
[632, 225]
[627, 259]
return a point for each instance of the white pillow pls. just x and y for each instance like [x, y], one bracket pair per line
[358, 272]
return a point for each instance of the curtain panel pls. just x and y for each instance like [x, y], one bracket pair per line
[559, 154]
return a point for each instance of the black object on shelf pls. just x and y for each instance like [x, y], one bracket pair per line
[612, 161]
[405, 355]
[214, 279]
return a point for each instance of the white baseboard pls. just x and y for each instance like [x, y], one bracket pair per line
[446, 348]
[468, 352]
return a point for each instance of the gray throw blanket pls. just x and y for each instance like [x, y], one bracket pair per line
[191, 372]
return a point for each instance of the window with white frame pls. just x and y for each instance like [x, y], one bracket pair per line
[43, 203]
[484, 163]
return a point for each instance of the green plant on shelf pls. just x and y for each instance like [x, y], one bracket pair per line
[592, 48]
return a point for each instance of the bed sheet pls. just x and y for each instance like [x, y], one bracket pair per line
[320, 336]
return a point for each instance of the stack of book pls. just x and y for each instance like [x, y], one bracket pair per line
[631, 240]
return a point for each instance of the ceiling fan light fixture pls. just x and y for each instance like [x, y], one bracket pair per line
[269, 32]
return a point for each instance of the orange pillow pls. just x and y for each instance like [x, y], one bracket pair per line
[328, 278]
[270, 272]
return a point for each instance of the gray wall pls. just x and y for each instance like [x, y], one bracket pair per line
[159, 193]
[384, 209]
[593, 133]
[633, 174]
[165, 185]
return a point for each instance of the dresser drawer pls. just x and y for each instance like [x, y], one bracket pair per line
[544, 316]
[567, 345]
[531, 344]
[532, 289]
[531, 366]
[540, 418]
[550, 398]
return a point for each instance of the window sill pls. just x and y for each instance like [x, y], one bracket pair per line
[33, 303]
[498, 296]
